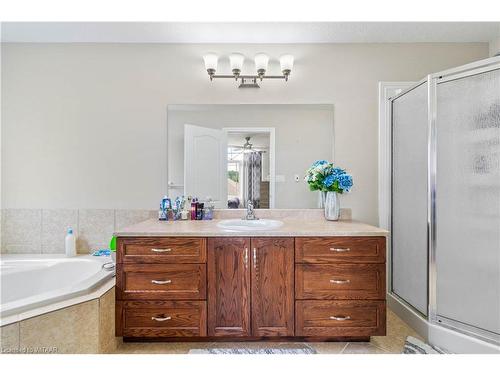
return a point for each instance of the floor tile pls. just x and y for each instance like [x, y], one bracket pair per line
[362, 348]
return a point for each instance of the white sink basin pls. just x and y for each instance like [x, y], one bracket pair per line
[249, 225]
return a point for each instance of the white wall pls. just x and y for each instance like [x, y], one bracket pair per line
[84, 125]
[303, 134]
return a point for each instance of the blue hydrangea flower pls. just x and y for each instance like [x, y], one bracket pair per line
[338, 171]
[345, 181]
[319, 162]
[329, 180]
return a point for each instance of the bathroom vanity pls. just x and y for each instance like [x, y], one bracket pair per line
[306, 280]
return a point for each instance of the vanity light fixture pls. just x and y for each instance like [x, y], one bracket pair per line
[236, 61]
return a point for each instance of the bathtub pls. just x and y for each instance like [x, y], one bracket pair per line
[36, 284]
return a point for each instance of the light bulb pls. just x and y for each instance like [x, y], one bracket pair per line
[286, 63]
[210, 63]
[261, 61]
[236, 62]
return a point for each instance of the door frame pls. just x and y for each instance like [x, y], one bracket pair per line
[272, 155]
[386, 92]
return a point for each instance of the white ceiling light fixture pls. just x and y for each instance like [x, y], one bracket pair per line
[236, 61]
[261, 63]
[286, 63]
[211, 60]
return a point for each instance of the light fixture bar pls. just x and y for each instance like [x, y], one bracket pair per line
[236, 61]
[247, 76]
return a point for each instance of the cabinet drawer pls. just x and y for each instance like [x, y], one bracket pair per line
[162, 318]
[340, 249]
[340, 318]
[161, 250]
[340, 281]
[162, 281]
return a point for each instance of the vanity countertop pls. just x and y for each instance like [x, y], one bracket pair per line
[290, 228]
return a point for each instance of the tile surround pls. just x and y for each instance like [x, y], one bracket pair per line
[55, 223]
[74, 329]
[22, 231]
[107, 340]
[42, 231]
[124, 218]
[95, 229]
[9, 338]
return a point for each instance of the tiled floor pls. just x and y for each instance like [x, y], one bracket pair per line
[393, 343]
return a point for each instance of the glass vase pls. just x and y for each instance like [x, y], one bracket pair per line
[332, 206]
[321, 199]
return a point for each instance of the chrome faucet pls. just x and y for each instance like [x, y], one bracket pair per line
[250, 212]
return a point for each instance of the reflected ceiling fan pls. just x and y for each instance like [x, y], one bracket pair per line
[247, 147]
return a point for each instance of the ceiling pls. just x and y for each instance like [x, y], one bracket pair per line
[250, 32]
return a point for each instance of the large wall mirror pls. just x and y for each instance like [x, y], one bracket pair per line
[237, 153]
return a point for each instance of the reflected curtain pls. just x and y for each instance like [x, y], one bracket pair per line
[252, 174]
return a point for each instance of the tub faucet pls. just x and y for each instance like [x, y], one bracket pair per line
[250, 212]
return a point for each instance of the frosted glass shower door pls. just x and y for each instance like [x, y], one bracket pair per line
[468, 200]
[409, 197]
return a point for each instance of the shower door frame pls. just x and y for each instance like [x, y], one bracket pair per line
[391, 291]
[434, 79]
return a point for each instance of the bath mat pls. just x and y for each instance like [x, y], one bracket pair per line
[416, 346]
[305, 350]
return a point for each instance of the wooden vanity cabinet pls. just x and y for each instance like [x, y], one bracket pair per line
[250, 287]
[228, 287]
[246, 288]
[272, 275]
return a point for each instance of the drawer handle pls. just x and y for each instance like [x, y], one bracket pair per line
[340, 249]
[334, 281]
[161, 250]
[340, 317]
[161, 319]
[161, 282]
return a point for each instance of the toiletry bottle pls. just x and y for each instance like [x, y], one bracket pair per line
[199, 211]
[162, 214]
[187, 207]
[184, 212]
[164, 203]
[193, 209]
[208, 212]
[168, 208]
[70, 243]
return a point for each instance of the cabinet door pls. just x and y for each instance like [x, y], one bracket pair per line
[228, 287]
[272, 287]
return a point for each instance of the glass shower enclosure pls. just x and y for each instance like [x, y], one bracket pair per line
[445, 222]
